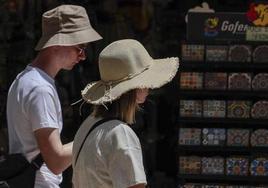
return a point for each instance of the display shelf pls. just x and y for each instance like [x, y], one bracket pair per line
[199, 92]
[222, 150]
[234, 122]
[224, 66]
[200, 178]
[223, 94]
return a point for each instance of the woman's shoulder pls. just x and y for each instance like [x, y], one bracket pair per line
[117, 125]
[120, 130]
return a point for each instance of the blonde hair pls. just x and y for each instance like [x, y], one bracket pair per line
[123, 108]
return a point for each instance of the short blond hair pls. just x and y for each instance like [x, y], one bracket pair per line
[123, 108]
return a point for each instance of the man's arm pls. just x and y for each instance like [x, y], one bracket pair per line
[57, 156]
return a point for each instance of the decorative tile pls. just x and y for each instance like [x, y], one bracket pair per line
[191, 80]
[212, 165]
[238, 109]
[192, 52]
[214, 108]
[189, 136]
[191, 185]
[216, 53]
[189, 165]
[190, 108]
[238, 137]
[260, 110]
[259, 138]
[213, 136]
[239, 81]
[260, 82]
[237, 166]
[215, 80]
[260, 54]
[259, 167]
[240, 53]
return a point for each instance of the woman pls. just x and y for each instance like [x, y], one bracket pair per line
[110, 155]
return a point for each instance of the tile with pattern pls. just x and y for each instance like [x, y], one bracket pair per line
[212, 165]
[238, 137]
[259, 110]
[259, 167]
[189, 136]
[239, 81]
[191, 80]
[189, 164]
[260, 82]
[213, 136]
[260, 54]
[238, 109]
[239, 53]
[192, 52]
[216, 53]
[214, 108]
[259, 138]
[190, 108]
[237, 166]
[215, 80]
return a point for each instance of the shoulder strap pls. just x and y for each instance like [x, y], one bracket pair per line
[37, 162]
[90, 130]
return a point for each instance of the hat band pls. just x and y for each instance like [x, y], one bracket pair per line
[110, 83]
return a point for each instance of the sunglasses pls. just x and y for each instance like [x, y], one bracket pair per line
[81, 48]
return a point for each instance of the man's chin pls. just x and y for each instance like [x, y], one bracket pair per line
[69, 68]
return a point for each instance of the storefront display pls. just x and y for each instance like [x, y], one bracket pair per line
[231, 112]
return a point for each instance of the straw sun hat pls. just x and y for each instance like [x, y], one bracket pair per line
[66, 25]
[125, 65]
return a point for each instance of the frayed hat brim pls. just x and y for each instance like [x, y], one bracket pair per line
[160, 72]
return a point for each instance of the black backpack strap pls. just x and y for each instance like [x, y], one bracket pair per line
[90, 130]
[37, 162]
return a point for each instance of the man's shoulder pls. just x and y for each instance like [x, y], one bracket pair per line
[32, 79]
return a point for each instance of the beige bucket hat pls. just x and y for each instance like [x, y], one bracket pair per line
[125, 65]
[66, 25]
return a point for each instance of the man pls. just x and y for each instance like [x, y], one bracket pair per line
[33, 108]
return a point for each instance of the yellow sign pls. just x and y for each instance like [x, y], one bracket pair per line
[257, 34]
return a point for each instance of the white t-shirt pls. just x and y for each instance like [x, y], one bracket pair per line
[32, 104]
[110, 158]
